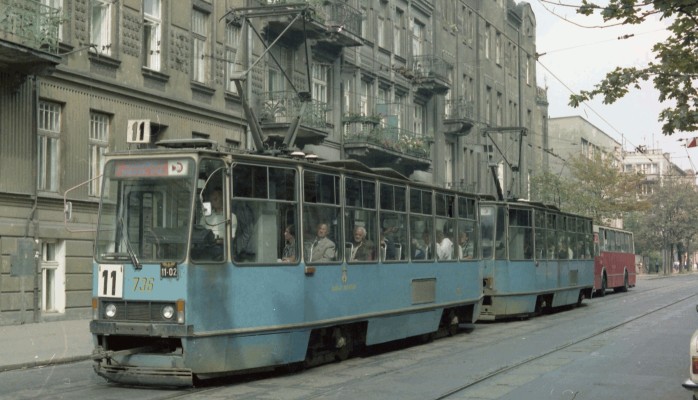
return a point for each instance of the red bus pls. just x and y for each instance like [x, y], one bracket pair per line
[614, 260]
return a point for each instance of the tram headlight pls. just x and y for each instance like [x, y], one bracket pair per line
[110, 310]
[168, 312]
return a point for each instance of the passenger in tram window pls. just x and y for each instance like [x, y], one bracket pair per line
[465, 246]
[322, 249]
[423, 250]
[289, 252]
[388, 243]
[362, 249]
[444, 246]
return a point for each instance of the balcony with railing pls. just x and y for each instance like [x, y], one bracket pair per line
[277, 110]
[28, 36]
[377, 145]
[428, 73]
[332, 23]
[459, 116]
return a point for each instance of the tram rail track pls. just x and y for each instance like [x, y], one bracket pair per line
[252, 386]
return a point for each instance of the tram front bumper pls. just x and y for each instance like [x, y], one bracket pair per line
[691, 385]
[140, 329]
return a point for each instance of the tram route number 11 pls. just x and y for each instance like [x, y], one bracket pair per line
[110, 281]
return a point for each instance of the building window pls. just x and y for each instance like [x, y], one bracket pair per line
[49, 125]
[232, 42]
[363, 98]
[487, 41]
[56, 12]
[320, 73]
[152, 33]
[449, 164]
[100, 32]
[488, 105]
[275, 79]
[199, 23]
[498, 48]
[499, 109]
[397, 32]
[381, 32]
[320, 91]
[99, 140]
[418, 120]
[528, 70]
[53, 276]
[400, 105]
[417, 38]
[364, 22]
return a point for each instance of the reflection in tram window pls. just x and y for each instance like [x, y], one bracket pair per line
[263, 205]
[520, 234]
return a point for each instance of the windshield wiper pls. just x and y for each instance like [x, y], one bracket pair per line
[129, 249]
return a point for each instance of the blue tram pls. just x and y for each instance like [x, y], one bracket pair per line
[535, 258]
[209, 262]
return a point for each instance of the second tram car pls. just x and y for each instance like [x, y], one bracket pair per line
[209, 263]
[535, 258]
[614, 260]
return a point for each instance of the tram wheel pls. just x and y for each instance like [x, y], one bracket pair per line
[602, 291]
[623, 288]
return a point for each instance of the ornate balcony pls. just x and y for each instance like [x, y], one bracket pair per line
[428, 73]
[381, 146]
[332, 24]
[28, 37]
[277, 110]
[459, 116]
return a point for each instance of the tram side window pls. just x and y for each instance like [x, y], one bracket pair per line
[209, 235]
[539, 246]
[263, 207]
[445, 227]
[582, 249]
[551, 236]
[520, 234]
[467, 245]
[322, 218]
[360, 221]
[487, 219]
[421, 225]
[393, 223]
[500, 249]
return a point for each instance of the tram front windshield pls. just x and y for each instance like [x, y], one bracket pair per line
[145, 210]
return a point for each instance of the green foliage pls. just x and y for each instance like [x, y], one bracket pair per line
[674, 72]
[596, 188]
[671, 220]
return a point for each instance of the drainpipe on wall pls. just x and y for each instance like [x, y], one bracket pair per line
[32, 219]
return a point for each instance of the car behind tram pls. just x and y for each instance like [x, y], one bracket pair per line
[535, 259]
[209, 263]
[614, 260]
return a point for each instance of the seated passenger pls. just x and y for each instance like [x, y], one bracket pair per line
[362, 249]
[423, 250]
[322, 249]
[465, 247]
[444, 246]
[289, 252]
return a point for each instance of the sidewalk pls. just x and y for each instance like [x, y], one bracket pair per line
[44, 343]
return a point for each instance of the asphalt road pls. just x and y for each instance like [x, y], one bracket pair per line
[623, 346]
